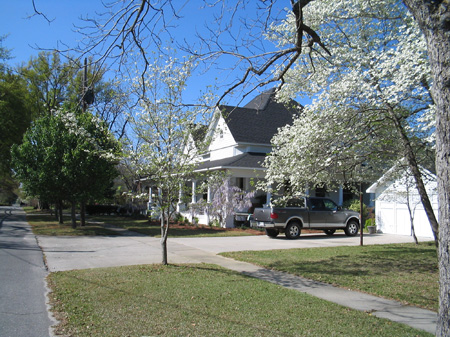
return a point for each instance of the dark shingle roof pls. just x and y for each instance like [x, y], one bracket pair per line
[259, 120]
[245, 160]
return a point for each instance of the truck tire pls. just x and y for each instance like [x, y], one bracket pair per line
[272, 233]
[329, 232]
[352, 228]
[293, 230]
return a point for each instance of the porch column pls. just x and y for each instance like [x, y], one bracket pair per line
[150, 202]
[208, 200]
[180, 197]
[150, 197]
[341, 195]
[268, 197]
[209, 194]
[194, 190]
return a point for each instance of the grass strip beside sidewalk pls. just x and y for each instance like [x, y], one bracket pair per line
[404, 272]
[199, 300]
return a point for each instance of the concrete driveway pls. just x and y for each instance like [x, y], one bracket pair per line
[66, 253]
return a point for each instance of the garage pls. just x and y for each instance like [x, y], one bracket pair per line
[397, 199]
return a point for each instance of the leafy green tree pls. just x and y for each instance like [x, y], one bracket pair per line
[90, 159]
[15, 117]
[38, 161]
[66, 156]
[53, 83]
[48, 79]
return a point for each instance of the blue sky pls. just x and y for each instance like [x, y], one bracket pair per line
[27, 32]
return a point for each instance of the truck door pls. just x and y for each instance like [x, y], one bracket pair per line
[317, 213]
[334, 215]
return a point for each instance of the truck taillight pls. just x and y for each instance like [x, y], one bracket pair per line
[273, 215]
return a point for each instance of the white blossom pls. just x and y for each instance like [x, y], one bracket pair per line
[378, 61]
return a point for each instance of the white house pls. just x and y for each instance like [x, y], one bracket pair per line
[394, 192]
[240, 140]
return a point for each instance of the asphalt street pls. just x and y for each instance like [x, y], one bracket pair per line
[23, 309]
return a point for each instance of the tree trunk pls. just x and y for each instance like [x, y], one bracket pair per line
[60, 212]
[433, 18]
[411, 218]
[56, 211]
[83, 214]
[73, 215]
[164, 231]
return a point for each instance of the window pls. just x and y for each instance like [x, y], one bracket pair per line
[296, 202]
[330, 205]
[240, 183]
[321, 190]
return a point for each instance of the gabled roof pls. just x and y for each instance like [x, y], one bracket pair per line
[259, 120]
[394, 173]
[250, 160]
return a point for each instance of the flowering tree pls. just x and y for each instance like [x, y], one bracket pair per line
[372, 102]
[165, 125]
[90, 159]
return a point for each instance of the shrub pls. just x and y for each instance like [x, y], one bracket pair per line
[101, 209]
[353, 205]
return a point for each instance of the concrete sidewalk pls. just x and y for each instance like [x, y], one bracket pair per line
[65, 253]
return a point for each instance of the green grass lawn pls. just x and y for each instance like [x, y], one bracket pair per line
[45, 224]
[199, 300]
[405, 272]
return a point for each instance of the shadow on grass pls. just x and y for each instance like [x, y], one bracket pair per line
[374, 262]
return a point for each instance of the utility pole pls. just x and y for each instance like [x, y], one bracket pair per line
[88, 93]
[360, 215]
[85, 88]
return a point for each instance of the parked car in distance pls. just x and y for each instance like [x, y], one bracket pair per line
[305, 213]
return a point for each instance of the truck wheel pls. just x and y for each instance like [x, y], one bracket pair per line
[272, 233]
[329, 232]
[293, 230]
[352, 228]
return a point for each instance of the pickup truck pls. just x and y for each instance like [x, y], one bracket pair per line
[305, 212]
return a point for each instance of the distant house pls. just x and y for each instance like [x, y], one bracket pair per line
[393, 192]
